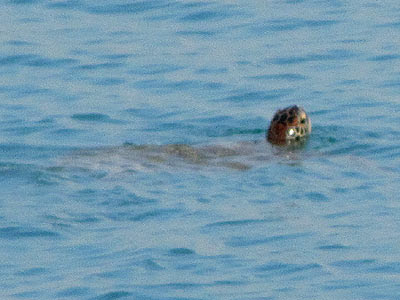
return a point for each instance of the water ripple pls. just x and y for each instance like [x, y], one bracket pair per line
[66, 4]
[74, 292]
[153, 69]
[164, 86]
[202, 33]
[241, 223]
[355, 263]
[32, 272]
[16, 59]
[203, 16]
[285, 76]
[94, 117]
[345, 284]
[385, 57]
[387, 268]
[339, 54]
[333, 247]
[99, 66]
[113, 295]
[127, 8]
[247, 241]
[243, 97]
[279, 268]
[20, 43]
[36, 61]
[292, 24]
[24, 1]
[108, 81]
[28, 173]
[155, 214]
[19, 232]
[180, 251]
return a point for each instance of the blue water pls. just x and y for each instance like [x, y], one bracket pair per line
[85, 216]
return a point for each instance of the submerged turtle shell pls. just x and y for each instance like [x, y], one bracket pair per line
[289, 126]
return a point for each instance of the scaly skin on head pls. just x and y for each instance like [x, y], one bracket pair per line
[289, 126]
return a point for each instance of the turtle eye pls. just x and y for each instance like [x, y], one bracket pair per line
[291, 132]
[303, 121]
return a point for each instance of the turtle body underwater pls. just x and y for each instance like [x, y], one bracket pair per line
[288, 129]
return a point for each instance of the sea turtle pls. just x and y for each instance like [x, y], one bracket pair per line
[289, 128]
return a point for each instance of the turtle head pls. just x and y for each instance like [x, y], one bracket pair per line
[289, 126]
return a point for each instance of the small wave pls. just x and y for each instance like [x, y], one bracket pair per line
[280, 268]
[28, 173]
[94, 117]
[19, 232]
[240, 223]
[339, 54]
[292, 24]
[73, 292]
[127, 8]
[153, 69]
[207, 15]
[283, 76]
[246, 241]
[354, 263]
[386, 57]
[32, 60]
[244, 97]
[201, 33]
[99, 66]
[180, 252]
[333, 247]
[114, 295]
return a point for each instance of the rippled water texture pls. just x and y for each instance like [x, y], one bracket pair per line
[133, 161]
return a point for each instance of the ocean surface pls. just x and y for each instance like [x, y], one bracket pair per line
[133, 160]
